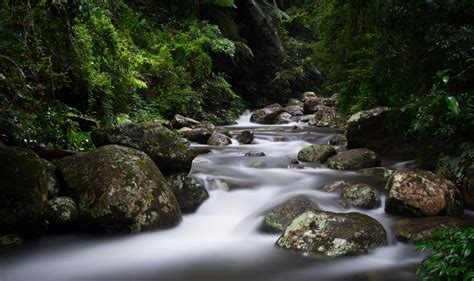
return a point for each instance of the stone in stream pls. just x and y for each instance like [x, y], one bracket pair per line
[169, 153]
[180, 121]
[382, 174]
[360, 196]
[294, 102]
[327, 234]
[223, 131]
[338, 140]
[283, 118]
[10, 240]
[25, 179]
[316, 153]
[422, 193]
[255, 154]
[245, 137]
[280, 217]
[61, 211]
[189, 192]
[256, 165]
[459, 168]
[354, 159]
[294, 110]
[336, 186]
[117, 188]
[266, 115]
[199, 135]
[418, 229]
[219, 139]
[311, 105]
[325, 116]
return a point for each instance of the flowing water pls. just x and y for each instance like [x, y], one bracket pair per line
[223, 239]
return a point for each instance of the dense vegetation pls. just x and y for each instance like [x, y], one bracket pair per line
[115, 61]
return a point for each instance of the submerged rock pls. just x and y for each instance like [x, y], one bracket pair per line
[353, 159]
[24, 183]
[325, 116]
[245, 137]
[219, 139]
[316, 153]
[255, 154]
[180, 121]
[10, 240]
[361, 196]
[422, 193]
[61, 211]
[266, 115]
[168, 152]
[280, 217]
[117, 188]
[189, 192]
[326, 234]
[418, 229]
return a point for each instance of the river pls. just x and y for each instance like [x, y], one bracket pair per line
[223, 240]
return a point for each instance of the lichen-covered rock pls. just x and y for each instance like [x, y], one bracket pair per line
[336, 186]
[199, 135]
[459, 168]
[24, 183]
[219, 139]
[361, 196]
[354, 159]
[266, 115]
[117, 188]
[418, 229]
[422, 193]
[245, 137]
[311, 105]
[10, 240]
[280, 217]
[325, 116]
[316, 153]
[294, 110]
[180, 121]
[283, 118]
[189, 192]
[61, 211]
[163, 145]
[255, 154]
[326, 234]
[382, 174]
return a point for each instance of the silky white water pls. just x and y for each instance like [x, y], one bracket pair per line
[223, 239]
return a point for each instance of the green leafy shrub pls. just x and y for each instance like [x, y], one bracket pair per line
[452, 257]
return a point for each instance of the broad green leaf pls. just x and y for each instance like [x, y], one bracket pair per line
[453, 105]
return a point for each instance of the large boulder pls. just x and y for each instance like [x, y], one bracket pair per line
[280, 217]
[380, 130]
[418, 229]
[325, 116]
[117, 188]
[422, 193]
[361, 196]
[283, 118]
[24, 182]
[61, 211]
[326, 234]
[317, 153]
[354, 159]
[218, 139]
[245, 137]
[381, 174]
[199, 135]
[294, 110]
[164, 146]
[459, 168]
[189, 192]
[180, 121]
[293, 102]
[311, 104]
[266, 115]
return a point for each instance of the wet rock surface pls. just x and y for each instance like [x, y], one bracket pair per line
[354, 159]
[189, 192]
[317, 153]
[360, 196]
[219, 139]
[61, 211]
[267, 115]
[245, 137]
[278, 219]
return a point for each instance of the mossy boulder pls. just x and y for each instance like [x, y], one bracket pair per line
[164, 146]
[360, 196]
[325, 116]
[61, 211]
[118, 188]
[327, 234]
[280, 217]
[316, 153]
[218, 139]
[266, 115]
[418, 229]
[422, 193]
[245, 137]
[189, 192]
[25, 179]
[354, 159]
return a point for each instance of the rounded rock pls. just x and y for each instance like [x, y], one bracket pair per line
[361, 196]
[317, 153]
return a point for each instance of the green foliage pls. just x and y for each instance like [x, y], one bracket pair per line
[452, 257]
